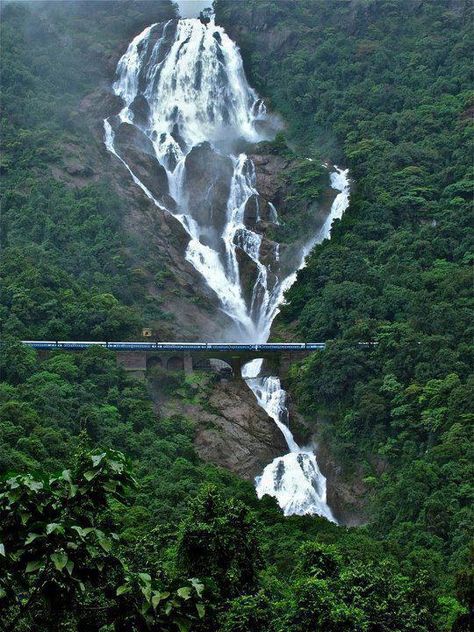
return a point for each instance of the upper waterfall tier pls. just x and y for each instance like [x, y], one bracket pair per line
[184, 84]
[187, 111]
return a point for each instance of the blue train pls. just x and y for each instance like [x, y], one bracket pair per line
[175, 346]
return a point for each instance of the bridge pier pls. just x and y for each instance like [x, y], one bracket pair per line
[236, 364]
[188, 364]
[133, 362]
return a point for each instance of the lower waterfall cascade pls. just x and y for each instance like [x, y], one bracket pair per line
[293, 479]
[187, 113]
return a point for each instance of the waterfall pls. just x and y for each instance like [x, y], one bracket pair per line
[293, 479]
[187, 114]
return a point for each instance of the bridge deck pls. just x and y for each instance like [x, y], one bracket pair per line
[176, 346]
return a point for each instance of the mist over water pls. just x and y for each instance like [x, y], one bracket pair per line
[188, 111]
[192, 8]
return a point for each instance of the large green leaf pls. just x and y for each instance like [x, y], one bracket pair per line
[31, 537]
[184, 592]
[144, 577]
[34, 485]
[97, 459]
[34, 565]
[59, 560]
[157, 597]
[116, 466]
[197, 585]
[121, 590]
[106, 544]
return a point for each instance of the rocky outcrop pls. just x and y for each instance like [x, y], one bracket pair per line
[252, 211]
[231, 429]
[269, 168]
[137, 150]
[239, 435]
[347, 496]
[207, 182]
[248, 274]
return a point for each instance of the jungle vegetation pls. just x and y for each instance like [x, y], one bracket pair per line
[386, 88]
[108, 519]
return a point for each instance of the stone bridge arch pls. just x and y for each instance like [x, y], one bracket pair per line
[213, 365]
[154, 361]
[175, 363]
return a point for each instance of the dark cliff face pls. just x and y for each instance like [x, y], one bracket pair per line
[231, 429]
[157, 240]
[137, 151]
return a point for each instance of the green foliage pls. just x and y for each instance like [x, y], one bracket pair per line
[382, 88]
[359, 597]
[61, 551]
[250, 562]
[59, 554]
[66, 270]
[250, 612]
[219, 539]
[304, 183]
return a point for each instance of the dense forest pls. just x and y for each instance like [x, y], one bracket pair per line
[386, 85]
[108, 518]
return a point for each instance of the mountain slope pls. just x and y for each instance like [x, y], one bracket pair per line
[384, 87]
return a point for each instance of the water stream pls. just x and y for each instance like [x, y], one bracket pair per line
[187, 114]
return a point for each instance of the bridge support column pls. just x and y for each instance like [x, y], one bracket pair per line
[236, 364]
[133, 362]
[188, 364]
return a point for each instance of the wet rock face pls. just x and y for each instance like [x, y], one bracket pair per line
[270, 185]
[136, 149]
[347, 496]
[251, 212]
[244, 439]
[248, 270]
[130, 137]
[232, 431]
[207, 181]
[141, 110]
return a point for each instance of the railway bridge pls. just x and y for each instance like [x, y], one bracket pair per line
[138, 357]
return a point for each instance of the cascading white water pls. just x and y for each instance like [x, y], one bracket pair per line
[193, 84]
[183, 85]
[295, 479]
